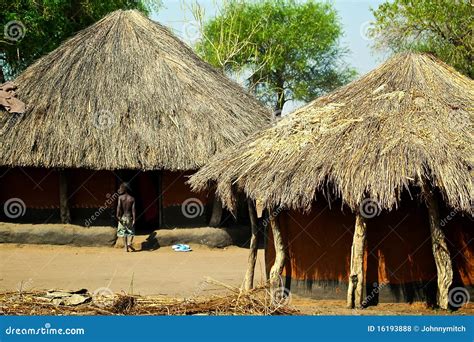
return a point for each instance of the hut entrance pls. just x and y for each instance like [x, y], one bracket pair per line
[146, 188]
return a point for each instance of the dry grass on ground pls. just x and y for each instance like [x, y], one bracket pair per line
[235, 302]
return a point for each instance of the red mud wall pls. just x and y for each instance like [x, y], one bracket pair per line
[398, 246]
[39, 188]
[90, 188]
[175, 189]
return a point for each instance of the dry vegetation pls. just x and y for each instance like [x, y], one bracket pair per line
[236, 302]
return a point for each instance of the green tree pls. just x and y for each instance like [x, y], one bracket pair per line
[289, 49]
[32, 28]
[442, 27]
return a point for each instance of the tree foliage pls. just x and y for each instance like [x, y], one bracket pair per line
[32, 28]
[442, 27]
[290, 49]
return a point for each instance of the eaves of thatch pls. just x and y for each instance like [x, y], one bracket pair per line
[409, 119]
[125, 93]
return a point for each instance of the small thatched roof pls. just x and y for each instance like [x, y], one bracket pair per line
[409, 119]
[125, 93]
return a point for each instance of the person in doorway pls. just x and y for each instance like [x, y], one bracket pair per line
[126, 216]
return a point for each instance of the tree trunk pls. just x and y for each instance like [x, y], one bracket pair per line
[279, 263]
[253, 249]
[440, 248]
[356, 275]
[216, 216]
[280, 98]
[63, 198]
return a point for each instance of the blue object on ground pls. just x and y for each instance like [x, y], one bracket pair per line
[181, 248]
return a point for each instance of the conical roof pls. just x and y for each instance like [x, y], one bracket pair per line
[125, 93]
[409, 119]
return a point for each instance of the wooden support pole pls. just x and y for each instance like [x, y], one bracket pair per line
[280, 256]
[356, 275]
[64, 212]
[216, 216]
[253, 248]
[441, 255]
[160, 199]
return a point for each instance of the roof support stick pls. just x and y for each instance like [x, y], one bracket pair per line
[216, 215]
[249, 275]
[356, 275]
[277, 268]
[63, 198]
[442, 258]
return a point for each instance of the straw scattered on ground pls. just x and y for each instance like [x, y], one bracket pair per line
[235, 302]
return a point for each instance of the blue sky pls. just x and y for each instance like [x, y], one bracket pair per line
[354, 15]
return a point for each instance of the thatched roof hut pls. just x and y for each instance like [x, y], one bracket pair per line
[409, 119]
[401, 133]
[125, 93]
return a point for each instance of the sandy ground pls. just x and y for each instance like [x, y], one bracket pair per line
[161, 271]
[158, 272]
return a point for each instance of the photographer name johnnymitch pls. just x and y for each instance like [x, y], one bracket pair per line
[416, 328]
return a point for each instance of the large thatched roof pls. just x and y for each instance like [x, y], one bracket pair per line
[125, 93]
[411, 118]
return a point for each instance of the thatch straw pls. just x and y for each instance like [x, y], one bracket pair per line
[257, 301]
[411, 118]
[125, 93]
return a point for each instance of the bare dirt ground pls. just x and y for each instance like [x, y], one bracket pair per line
[158, 272]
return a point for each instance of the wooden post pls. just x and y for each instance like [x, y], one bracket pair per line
[356, 275]
[216, 216]
[160, 199]
[64, 212]
[441, 255]
[280, 256]
[253, 248]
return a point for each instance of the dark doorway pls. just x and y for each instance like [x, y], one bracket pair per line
[145, 187]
